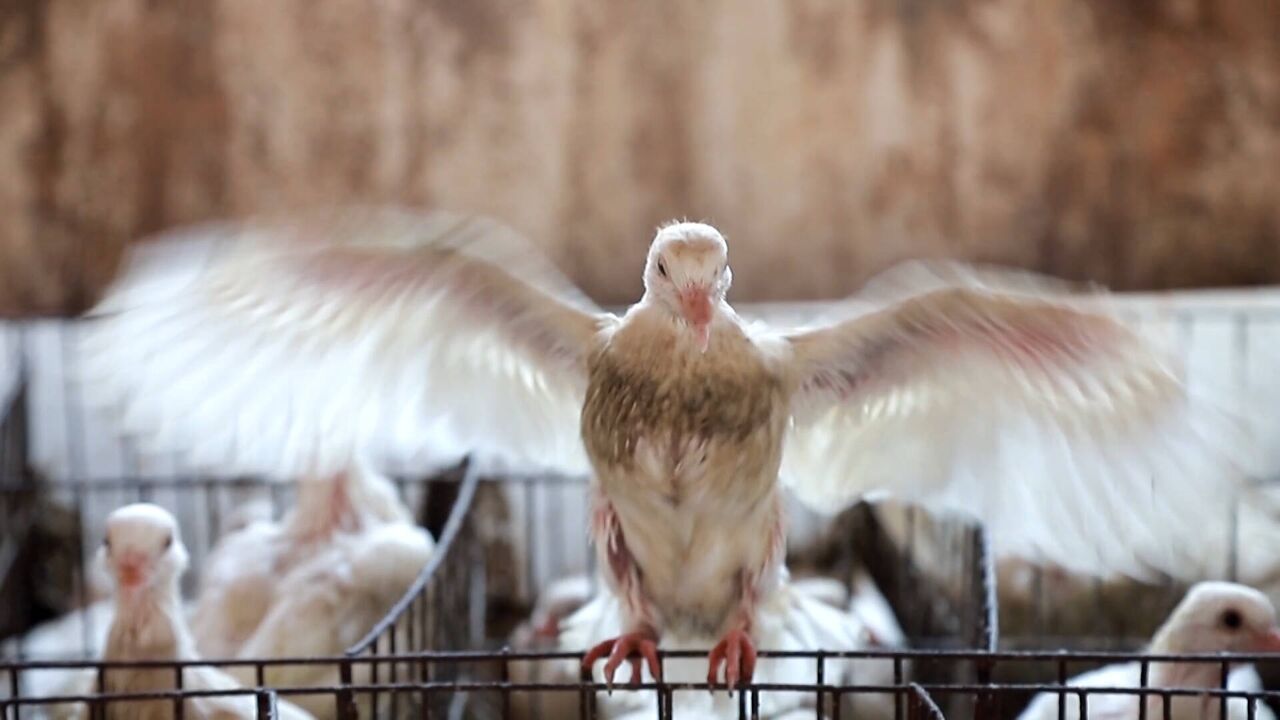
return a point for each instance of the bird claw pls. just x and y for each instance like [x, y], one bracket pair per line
[631, 647]
[738, 654]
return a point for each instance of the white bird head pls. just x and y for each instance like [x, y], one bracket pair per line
[687, 273]
[142, 547]
[1218, 617]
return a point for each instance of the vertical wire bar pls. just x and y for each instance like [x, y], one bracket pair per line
[80, 577]
[1038, 601]
[346, 697]
[393, 670]
[1167, 699]
[897, 683]
[102, 689]
[1222, 705]
[820, 676]
[530, 590]
[266, 705]
[755, 704]
[505, 676]
[586, 699]
[1062, 693]
[1144, 679]
[375, 669]
[15, 691]
[1240, 333]
[178, 704]
[213, 506]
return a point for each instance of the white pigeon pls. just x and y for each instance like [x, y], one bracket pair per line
[241, 579]
[147, 558]
[330, 602]
[398, 337]
[1213, 617]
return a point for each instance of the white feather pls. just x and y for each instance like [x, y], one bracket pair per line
[294, 348]
[1073, 438]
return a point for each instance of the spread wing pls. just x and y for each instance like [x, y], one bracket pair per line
[291, 346]
[1073, 438]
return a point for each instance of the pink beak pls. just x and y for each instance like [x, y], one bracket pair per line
[695, 305]
[131, 570]
[1269, 641]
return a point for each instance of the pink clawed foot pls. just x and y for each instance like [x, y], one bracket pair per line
[738, 654]
[631, 647]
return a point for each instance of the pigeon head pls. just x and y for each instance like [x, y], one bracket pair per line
[688, 274]
[1220, 617]
[142, 547]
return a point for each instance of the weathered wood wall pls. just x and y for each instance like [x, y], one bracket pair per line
[1136, 143]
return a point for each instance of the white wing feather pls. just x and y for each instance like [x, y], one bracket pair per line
[1073, 438]
[290, 347]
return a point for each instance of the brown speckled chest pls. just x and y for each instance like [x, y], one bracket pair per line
[656, 390]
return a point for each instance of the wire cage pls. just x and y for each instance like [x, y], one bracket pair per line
[1229, 341]
[54, 600]
[935, 575]
[523, 532]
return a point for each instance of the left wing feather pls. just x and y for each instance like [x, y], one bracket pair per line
[298, 345]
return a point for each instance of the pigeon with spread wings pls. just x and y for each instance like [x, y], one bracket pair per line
[297, 346]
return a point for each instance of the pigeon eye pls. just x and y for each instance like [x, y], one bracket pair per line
[106, 543]
[168, 541]
[1231, 619]
[662, 268]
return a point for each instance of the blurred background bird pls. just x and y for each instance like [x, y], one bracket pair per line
[242, 578]
[1214, 617]
[144, 551]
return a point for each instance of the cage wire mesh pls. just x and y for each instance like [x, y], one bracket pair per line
[526, 533]
[1045, 608]
[533, 533]
[62, 475]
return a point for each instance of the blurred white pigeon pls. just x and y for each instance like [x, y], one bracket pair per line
[241, 578]
[147, 558]
[329, 603]
[398, 337]
[1213, 617]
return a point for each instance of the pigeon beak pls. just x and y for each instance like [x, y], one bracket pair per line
[1269, 641]
[695, 305]
[131, 570]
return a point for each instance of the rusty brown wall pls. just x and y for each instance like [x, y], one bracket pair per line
[1136, 143]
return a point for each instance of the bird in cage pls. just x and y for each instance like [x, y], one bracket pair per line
[240, 581]
[311, 584]
[329, 603]
[144, 552]
[1213, 617]
[294, 346]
